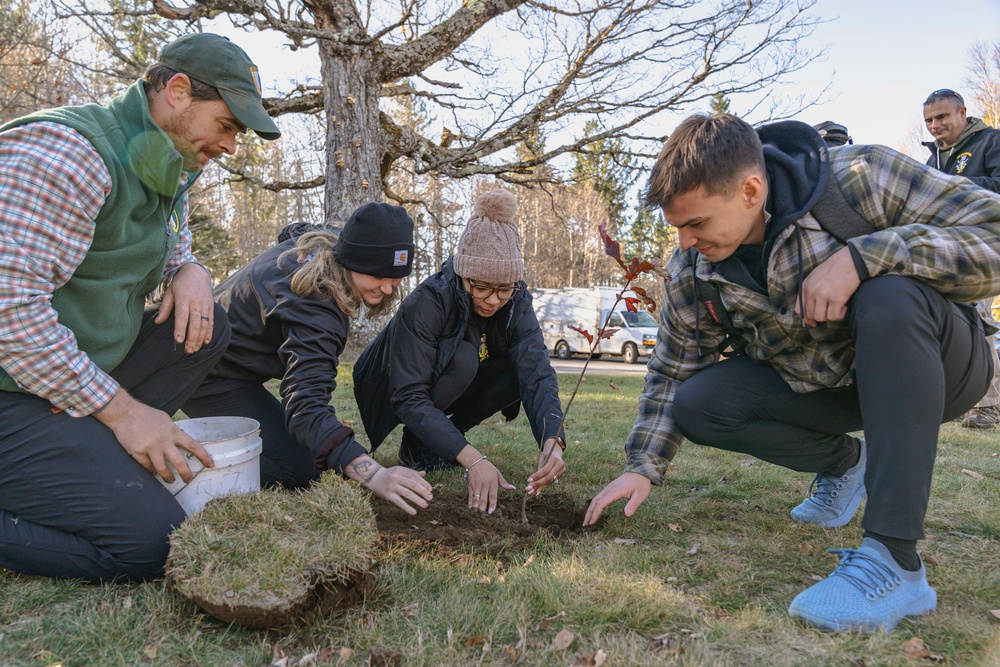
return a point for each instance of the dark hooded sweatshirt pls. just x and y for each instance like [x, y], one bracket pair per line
[976, 155]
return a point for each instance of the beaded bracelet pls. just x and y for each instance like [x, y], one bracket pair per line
[473, 466]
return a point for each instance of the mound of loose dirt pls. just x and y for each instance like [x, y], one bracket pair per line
[449, 522]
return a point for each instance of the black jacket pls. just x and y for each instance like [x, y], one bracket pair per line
[976, 155]
[279, 334]
[394, 375]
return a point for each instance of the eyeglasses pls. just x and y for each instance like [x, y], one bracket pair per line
[481, 292]
[944, 92]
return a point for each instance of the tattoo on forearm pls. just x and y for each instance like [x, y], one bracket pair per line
[366, 470]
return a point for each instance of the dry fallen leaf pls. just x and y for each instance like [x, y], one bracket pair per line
[435, 522]
[665, 641]
[347, 422]
[675, 527]
[510, 653]
[547, 623]
[478, 640]
[972, 473]
[626, 540]
[563, 640]
[613, 385]
[150, 652]
[928, 558]
[996, 613]
[694, 549]
[345, 654]
[592, 660]
[409, 610]
[916, 650]
[805, 548]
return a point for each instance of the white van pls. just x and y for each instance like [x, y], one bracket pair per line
[587, 308]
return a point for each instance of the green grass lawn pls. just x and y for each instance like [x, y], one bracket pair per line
[701, 575]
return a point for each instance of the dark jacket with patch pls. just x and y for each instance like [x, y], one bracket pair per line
[394, 375]
[976, 155]
[278, 334]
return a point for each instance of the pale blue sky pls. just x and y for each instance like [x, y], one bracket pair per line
[885, 56]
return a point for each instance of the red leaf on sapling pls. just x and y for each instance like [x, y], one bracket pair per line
[609, 333]
[639, 291]
[583, 332]
[630, 303]
[611, 247]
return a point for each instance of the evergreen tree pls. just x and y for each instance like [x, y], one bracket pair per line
[606, 166]
[719, 104]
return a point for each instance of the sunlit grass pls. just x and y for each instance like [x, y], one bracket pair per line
[701, 575]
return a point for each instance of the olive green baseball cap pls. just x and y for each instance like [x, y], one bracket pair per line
[216, 61]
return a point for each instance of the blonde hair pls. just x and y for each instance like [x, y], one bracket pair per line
[321, 275]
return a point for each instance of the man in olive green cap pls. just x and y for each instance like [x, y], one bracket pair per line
[93, 218]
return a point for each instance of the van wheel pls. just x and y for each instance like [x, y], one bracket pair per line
[630, 354]
[562, 350]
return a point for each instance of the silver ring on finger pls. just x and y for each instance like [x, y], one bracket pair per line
[476, 495]
[555, 481]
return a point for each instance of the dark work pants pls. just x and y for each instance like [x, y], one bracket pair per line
[74, 503]
[470, 394]
[284, 461]
[920, 360]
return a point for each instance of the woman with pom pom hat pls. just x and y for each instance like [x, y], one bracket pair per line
[462, 347]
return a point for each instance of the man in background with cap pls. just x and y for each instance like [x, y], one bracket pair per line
[834, 134]
[93, 217]
[966, 146]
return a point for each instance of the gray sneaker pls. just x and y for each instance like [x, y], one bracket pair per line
[834, 499]
[985, 417]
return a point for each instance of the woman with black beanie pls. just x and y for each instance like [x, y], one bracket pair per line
[290, 310]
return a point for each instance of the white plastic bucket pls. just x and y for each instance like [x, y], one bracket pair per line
[234, 444]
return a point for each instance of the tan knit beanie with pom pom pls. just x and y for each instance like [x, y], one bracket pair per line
[489, 250]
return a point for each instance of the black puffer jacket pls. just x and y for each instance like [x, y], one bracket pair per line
[976, 155]
[394, 375]
[279, 334]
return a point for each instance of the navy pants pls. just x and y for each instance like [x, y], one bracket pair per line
[73, 502]
[921, 360]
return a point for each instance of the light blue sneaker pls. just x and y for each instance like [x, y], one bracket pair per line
[868, 591]
[835, 499]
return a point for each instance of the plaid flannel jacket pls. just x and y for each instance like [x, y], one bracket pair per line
[941, 230]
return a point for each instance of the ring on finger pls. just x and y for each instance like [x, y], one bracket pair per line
[204, 319]
[555, 481]
[476, 495]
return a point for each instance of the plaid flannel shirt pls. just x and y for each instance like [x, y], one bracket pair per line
[939, 229]
[53, 183]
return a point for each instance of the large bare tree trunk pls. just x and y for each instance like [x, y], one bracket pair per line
[353, 133]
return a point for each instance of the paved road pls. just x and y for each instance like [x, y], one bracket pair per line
[602, 367]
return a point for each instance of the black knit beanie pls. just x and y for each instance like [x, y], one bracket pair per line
[377, 240]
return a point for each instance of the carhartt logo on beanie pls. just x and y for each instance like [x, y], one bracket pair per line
[489, 250]
[377, 240]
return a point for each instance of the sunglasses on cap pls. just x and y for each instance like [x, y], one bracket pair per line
[944, 92]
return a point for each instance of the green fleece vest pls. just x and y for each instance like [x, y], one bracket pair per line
[134, 233]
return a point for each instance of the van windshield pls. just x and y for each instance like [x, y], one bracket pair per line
[639, 319]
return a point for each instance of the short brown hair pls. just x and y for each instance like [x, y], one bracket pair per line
[156, 76]
[714, 151]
